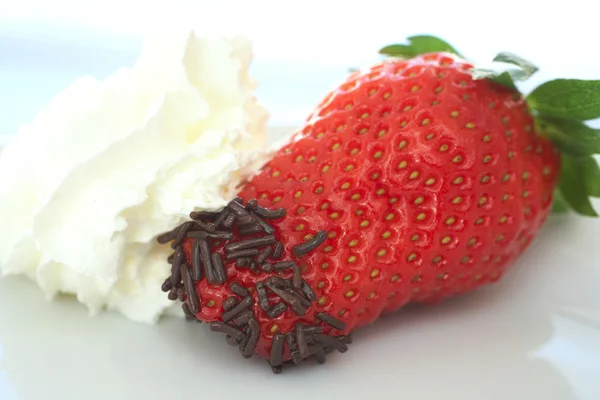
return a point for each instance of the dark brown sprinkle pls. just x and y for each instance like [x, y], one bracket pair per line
[253, 266]
[180, 294]
[188, 314]
[269, 214]
[263, 255]
[220, 235]
[175, 271]
[310, 245]
[265, 226]
[197, 271]
[296, 277]
[237, 208]
[278, 251]
[168, 236]
[253, 339]
[276, 357]
[245, 221]
[266, 267]
[204, 215]
[277, 370]
[276, 310]
[250, 243]
[237, 309]
[238, 289]
[283, 265]
[346, 339]
[183, 230]
[263, 299]
[305, 302]
[250, 230]
[170, 258]
[209, 271]
[190, 289]
[279, 281]
[172, 294]
[332, 321]
[242, 253]
[229, 221]
[243, 318]
[307, 291]
[290, 338]
[229, 303]
[243, 262]
[167, 285]
[320, 355]
[331, 341]
[292, 299]
[221, 217]
[313, 329]
[232, 331]
[244, 340]
[251, 204]
[219, 268]
[206, 226]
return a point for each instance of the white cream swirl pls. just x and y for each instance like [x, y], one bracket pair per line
[86, 187]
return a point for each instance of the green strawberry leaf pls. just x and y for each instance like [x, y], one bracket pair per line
[418, 45]
[591, 176]
[567, 98]
[526, 67]
[570, 136]
[507, 77]
[559, 204]
[573, 188]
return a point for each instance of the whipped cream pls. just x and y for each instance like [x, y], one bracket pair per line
[107, 166]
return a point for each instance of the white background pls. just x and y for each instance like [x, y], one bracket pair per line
[534, 336]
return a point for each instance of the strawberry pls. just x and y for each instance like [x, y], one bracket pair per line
[417, 179]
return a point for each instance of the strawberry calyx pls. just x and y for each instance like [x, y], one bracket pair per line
[559, 108]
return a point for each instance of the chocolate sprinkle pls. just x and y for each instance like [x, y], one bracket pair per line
[269, 214]
[250, 230]
[229, 221]
[227, 329]
[243, 262]
[242, 253]
[206, 226]
[183, 230]
[188, 314]
[276, 358]
[170, 258]
[297, 277]
[292, 299]
[168, 236]
[266, 227]
[331, 341]
[331, 320]
[220, 273]
[266, 267]
[263, 299]
[250, 243]
[276, 310]
[279, 281]
[278, 251]
[238, 289]
[197, 272]
[243, 318]
[190, 289]
[263, 255]
[320, 355]
[204, 215]
[175, 271]
[253, 339]
[221, 217]
[283, 265]
[231, 341]
[180, 294]
[245, 221]
[220, 235]
[244, 340]
[229, 303]
[211, 276]
[172, 295]
[308, 292]
[237, 208]
[251, 204]
[241, 306]
[310, 245]
[313, 329]
[167, 285]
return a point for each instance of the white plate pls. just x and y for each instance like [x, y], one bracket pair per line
[533, 335]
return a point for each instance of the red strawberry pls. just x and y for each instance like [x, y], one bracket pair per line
[411, 182]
